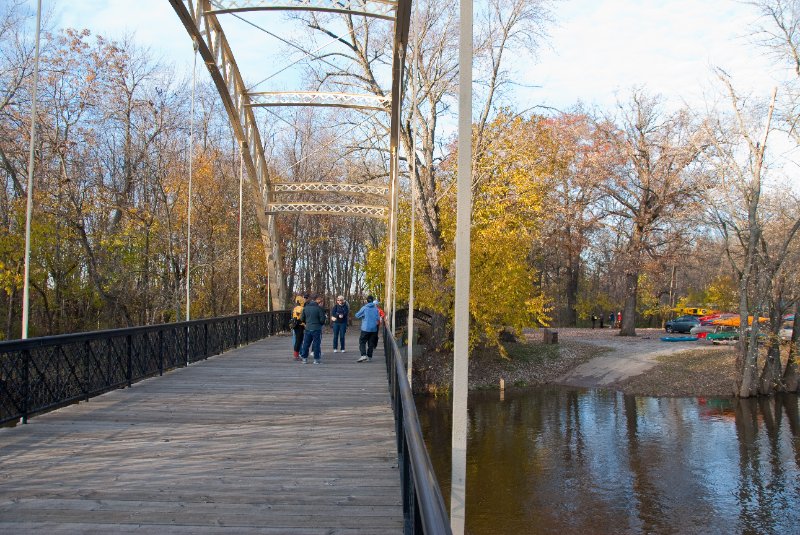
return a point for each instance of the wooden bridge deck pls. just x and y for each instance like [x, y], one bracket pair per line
[245, 442]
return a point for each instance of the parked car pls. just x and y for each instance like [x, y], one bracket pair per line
[703, 328]
[682, 324]
[786, 331]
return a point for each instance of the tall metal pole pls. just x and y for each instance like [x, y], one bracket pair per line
[392, 229]
[189, 201]
[29, 209]
[241, 183]
[463, 216]
[410, 320]
[413, 175]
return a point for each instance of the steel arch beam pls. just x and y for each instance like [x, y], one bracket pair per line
[382, 9]
[210, 42]
[319, 98]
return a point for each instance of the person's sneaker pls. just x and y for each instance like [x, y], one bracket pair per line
[363, 358]
[341, 350]
[316, 361]
[369, 359]
[305, 360]
[335, 350]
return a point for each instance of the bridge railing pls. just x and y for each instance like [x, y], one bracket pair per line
[41, 374]
[423, 505]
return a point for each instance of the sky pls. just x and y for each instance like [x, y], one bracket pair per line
[596, 51]
[599, 50]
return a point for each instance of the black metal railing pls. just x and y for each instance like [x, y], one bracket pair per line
[423, 505]
[41, 374]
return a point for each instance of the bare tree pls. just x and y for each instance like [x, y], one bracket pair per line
[651, 193]
[739, 158]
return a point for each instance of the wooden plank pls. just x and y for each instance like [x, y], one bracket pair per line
[249, 440]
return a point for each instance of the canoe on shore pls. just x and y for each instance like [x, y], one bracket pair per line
[678, 338]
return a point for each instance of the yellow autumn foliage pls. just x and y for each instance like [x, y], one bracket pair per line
[508, 204]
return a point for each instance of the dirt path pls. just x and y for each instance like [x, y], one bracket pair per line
[628, 356]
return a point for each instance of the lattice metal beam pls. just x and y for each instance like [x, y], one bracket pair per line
[326, 187]
[319, 98]
[382, 9]
[379, 212]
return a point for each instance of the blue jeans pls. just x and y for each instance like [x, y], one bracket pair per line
[338, 334]
[313, 339]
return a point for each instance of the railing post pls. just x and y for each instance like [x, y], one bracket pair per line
[205, 340]
[238, 330]
[161, 352]
[86, 372]
[26, 385]
[129, 341]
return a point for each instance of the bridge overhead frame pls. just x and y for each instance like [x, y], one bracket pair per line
[199, 17]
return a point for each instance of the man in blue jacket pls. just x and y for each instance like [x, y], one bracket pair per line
[370, 319]
[314, 318]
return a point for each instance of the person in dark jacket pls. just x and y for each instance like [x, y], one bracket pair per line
[370, 319]
[314, 318]
[339, 317]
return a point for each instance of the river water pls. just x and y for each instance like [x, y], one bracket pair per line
[556, 460]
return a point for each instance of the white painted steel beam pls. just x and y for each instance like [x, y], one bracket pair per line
[319, 98]
[458, 483]
[329, 187]
[401, 27]
[307, 208]
[382, 9]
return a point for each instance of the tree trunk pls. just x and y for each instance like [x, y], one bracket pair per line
[790, 376]
[770, 380]
[629, 310]
[573, 271]
[748, 386]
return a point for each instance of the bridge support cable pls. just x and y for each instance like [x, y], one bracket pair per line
[31, 159]
[189, 199]
[241, 198]
[206, 32]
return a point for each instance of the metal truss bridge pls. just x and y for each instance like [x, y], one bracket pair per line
[203, 20]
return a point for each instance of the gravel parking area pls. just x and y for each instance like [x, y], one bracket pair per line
[627, 356]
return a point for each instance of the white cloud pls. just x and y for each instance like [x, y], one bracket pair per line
[601, 49]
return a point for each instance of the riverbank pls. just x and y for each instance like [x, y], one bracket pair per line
[591, 358]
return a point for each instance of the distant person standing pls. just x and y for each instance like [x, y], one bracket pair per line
[601, 320]
[297, 326]
[611, 320]
[619, 320]
[314, 318]
[594, 320]
[370, 319]
[339, 317]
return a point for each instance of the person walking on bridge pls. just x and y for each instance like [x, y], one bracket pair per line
[297, 326]
[370, 319]
[314, 318]
[339, 317]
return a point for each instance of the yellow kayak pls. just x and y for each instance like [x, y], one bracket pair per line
[735, 321]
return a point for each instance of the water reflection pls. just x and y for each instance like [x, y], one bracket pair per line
[568, 461]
